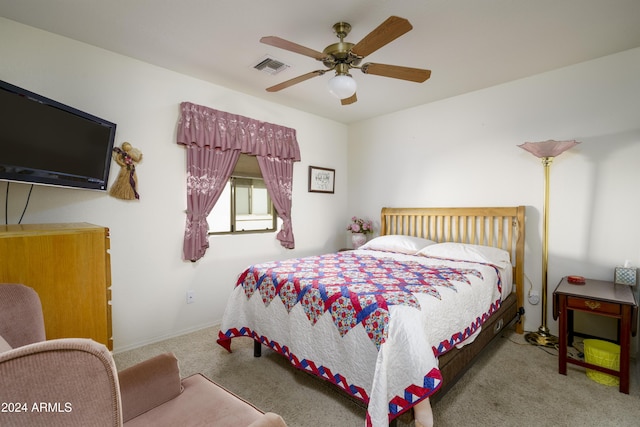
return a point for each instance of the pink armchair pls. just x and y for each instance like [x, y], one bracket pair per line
[74, 382]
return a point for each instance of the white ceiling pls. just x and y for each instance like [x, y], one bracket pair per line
[468, 44]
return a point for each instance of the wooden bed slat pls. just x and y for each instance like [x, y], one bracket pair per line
[501, 227]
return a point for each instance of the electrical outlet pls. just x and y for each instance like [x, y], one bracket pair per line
[534, 297]
[191, 296]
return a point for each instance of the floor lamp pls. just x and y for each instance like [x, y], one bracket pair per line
[545, 150]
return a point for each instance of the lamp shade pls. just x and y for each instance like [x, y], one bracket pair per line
[342, 86]
[548, 148]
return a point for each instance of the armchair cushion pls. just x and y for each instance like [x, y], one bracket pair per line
[205, 403]
[149, 384]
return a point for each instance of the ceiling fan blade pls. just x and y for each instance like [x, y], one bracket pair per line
[349, 100]
[295, 80]
[417, 75]
[385, 33]
[292, 47]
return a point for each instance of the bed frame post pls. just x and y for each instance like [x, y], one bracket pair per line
[519, 270]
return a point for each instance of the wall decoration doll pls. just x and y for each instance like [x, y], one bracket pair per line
[126, 185]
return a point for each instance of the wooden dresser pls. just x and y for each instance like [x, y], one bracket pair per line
[69, 266]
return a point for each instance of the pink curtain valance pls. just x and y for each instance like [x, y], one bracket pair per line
[214, 140]
[206, 126]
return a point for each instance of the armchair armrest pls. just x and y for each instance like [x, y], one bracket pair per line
[149, 384]
[67, 381]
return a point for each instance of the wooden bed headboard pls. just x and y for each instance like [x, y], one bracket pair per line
[501, 227]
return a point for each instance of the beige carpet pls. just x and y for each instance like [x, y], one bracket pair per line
[511, 384]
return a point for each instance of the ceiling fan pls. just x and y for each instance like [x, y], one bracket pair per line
[343, 56]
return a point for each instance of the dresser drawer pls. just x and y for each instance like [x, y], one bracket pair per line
[593, 305]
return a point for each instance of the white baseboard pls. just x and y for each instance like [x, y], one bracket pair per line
[117, 349]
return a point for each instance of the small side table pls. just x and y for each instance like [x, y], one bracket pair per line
[602, 298]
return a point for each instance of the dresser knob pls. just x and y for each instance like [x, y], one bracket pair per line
[592, 304]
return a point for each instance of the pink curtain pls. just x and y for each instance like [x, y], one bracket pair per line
[215, 140]
[208, 170]
[278, 177]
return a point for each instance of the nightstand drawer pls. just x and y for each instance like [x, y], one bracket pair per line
[593, 305]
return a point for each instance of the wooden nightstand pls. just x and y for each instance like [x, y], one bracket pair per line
[602, 298]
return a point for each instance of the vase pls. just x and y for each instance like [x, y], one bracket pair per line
[358, 239]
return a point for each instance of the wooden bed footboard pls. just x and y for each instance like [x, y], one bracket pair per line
[500, 227]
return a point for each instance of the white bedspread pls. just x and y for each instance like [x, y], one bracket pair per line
[404, 369]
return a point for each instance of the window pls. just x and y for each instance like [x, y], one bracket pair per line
[244, 206]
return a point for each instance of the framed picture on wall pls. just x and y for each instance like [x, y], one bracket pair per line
[321, 180]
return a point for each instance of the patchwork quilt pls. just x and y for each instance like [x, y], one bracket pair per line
[370, 322]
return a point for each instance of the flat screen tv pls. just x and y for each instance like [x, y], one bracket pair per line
[43, 141]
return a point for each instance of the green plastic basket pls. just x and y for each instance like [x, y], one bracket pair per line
[605, 354]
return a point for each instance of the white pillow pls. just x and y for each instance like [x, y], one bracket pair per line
[397, 243]
[468, 252]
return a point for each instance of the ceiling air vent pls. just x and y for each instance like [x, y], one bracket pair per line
[270, 65]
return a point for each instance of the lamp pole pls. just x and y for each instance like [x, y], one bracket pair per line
[543, 336]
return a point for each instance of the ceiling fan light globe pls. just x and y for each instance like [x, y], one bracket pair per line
[342, 86]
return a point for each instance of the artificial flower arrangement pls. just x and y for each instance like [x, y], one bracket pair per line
[359, 225]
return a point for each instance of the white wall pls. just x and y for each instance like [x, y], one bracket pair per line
[149, 278]
[462, 152]
[457, 152]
